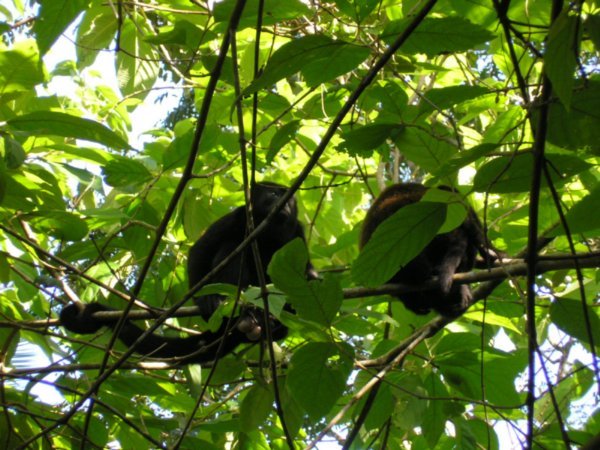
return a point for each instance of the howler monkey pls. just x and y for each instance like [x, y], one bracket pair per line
[217, 242]
[445, 255]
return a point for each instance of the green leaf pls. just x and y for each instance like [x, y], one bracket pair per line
[123, 172]
[317, 377]
[577, 128]
[592, 28]
[14, 153]
[462, 370]
[60, 224]
[183, 33]
[579, 218]
[396, 241]
[424, 150]
[52, 123]
[491, 318]
[281, 137]
[358, 10]
[362, 140]
[456, 209]
[273, 11]
[4, 269]
[560, 57]
[21, 68]
[434, 417]
[513, 173]
[256, 407]
[317, 300]
[4, 179]
[319, 59]
[438, 35]
[443, 98]
[53, 19]
[137, 64]
[464, 158]
[568, 315]
[95, 32]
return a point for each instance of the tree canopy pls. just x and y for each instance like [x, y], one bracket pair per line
[499, 99]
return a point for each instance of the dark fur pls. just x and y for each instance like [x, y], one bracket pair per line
[445, 255]
[219, 240]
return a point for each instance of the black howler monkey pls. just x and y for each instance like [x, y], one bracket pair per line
[445, 255]
[218, 241]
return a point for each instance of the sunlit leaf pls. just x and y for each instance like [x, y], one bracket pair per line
[20, 68]
[53, 123]
[397, 241]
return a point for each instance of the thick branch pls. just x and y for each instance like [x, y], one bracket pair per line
[516, 268]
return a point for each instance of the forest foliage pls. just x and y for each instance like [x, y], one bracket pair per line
[498, 98]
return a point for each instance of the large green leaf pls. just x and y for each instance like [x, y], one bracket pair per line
[426, 151]
[137, 63]
[568, 315]
[95, 33]
[317, 377]
[274, 11]
[53, 123]
[579, 218]
[363, 140]
[438, 35]
[443, 98]
[124, 172]
[317, 300]
[395, 242]
[559, 59]
[513, 173]
[20, 68]
[60, 224]
[256, 407]
[319, 59]
[54, 17]
[358, 10]
[576, 128]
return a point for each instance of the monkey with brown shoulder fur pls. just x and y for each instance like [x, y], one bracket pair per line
[217, 242]
[447, 254]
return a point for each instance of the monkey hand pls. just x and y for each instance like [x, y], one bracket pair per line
[250, 326]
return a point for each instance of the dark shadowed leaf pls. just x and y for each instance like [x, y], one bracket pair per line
[363, 140]
[438, 35]
[577, 128]
[560, 56]
[60, 224]
[568, 315]
[317, 377]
